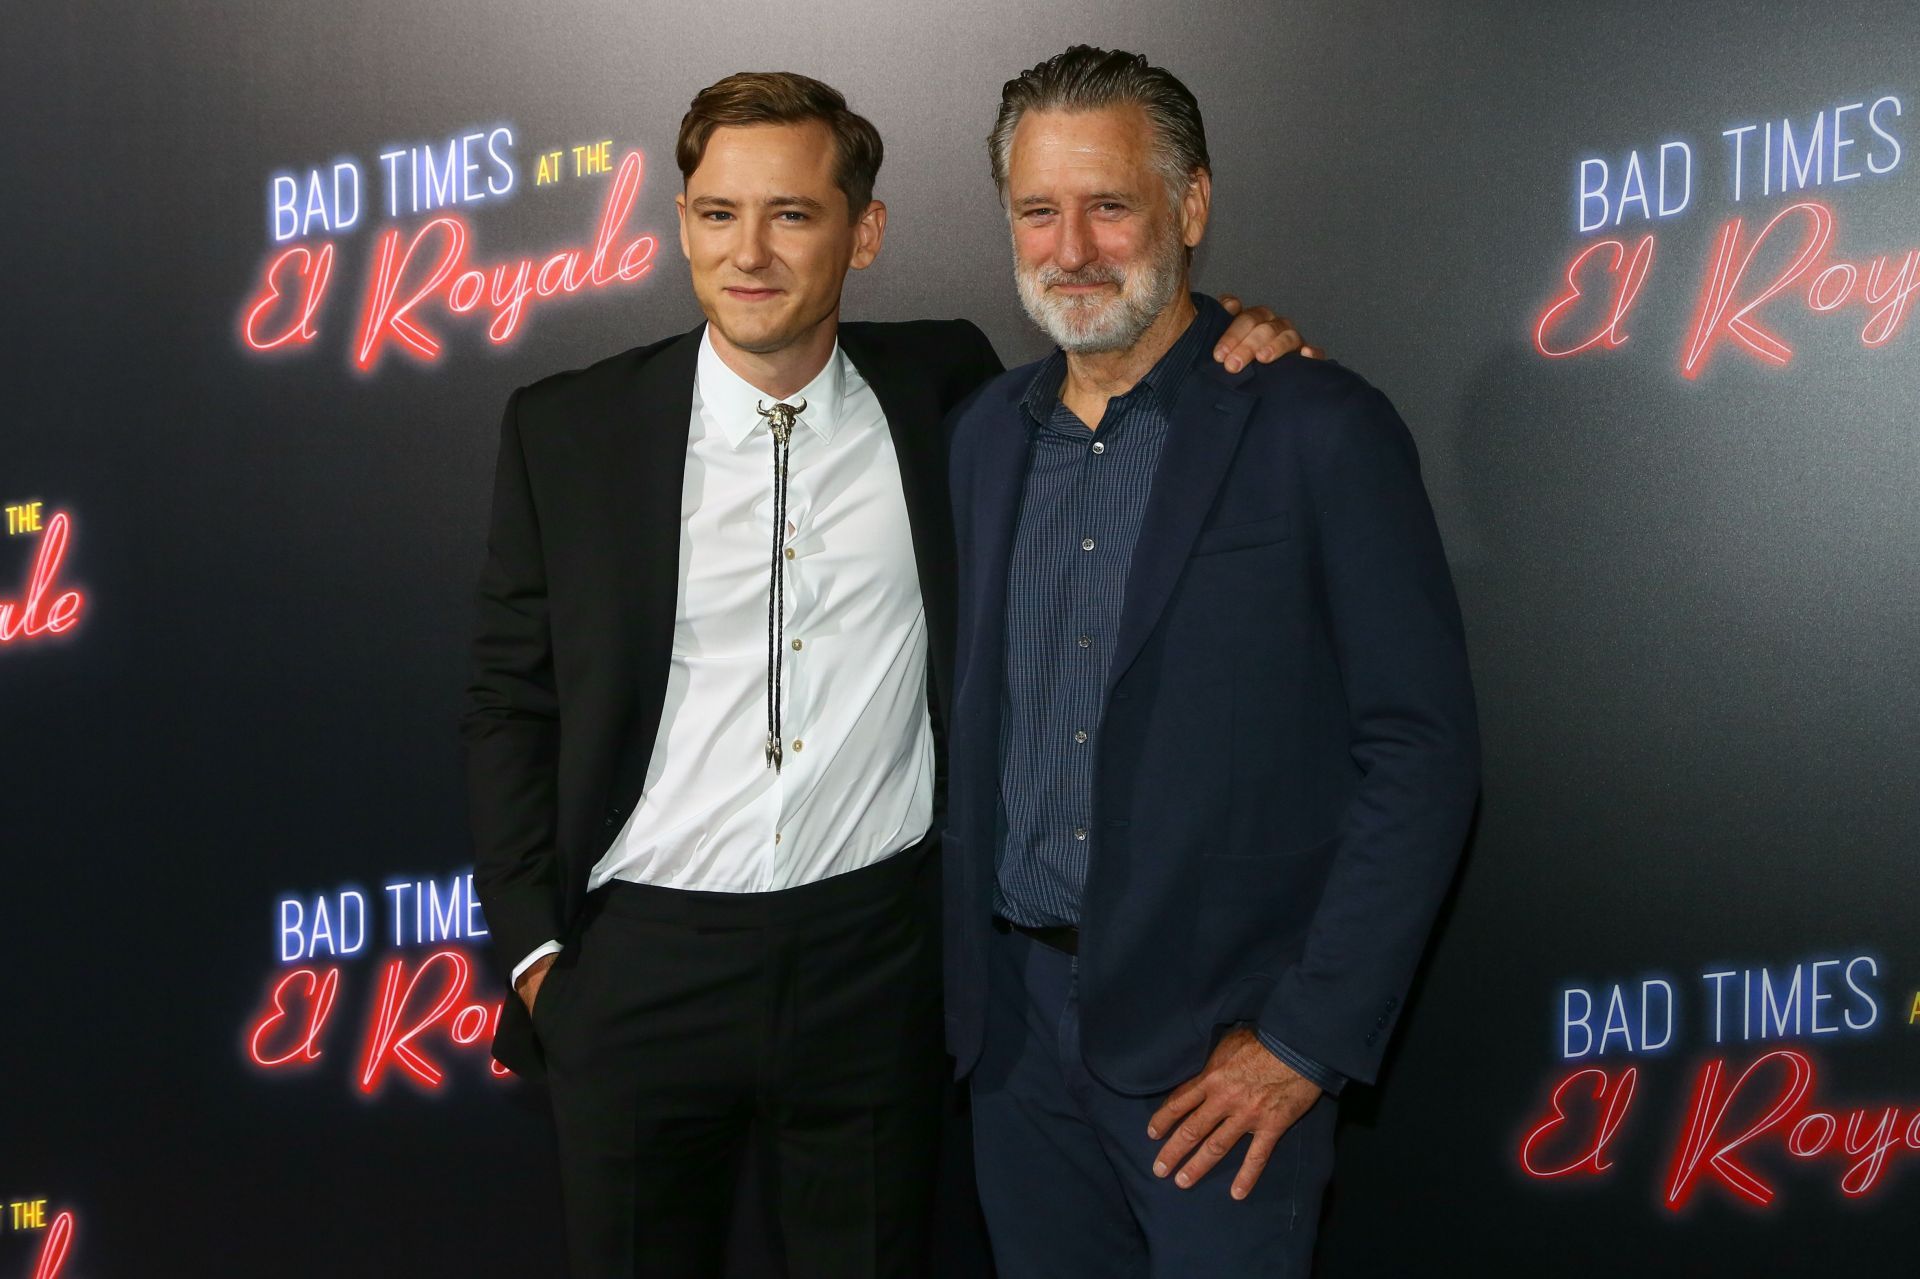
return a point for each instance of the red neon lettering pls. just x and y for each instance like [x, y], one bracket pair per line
[385, 1047]
[1697, 1155]
[461, 286]
[1890, 300]
[319, 997]
[380, 319]
[313, 274]
[291, 1026]
[1614, 1097]
[54, 1247]
[35, 614]
[1626, 288]
[1864, 1172]
[1712, 324]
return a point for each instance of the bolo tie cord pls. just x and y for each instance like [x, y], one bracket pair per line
[780, 421]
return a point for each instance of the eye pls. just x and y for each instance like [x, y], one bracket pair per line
[716, 215]
[1110, 206]
[1036, 215]
[793, 215]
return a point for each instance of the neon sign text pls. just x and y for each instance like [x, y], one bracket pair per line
[432, 270]
[55, 1245]
[1604, 279]
[421, 1012]
[1726, 1130]
[42, 609]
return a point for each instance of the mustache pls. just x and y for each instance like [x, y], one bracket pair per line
[1092, 273]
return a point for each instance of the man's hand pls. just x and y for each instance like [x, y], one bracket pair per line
[1258, 334]
[1244, 1089]
[528, 987]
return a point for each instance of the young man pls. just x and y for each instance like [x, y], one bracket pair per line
[714, 636]
[1214, 751]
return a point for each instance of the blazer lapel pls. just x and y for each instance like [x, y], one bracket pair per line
[646, 459]
[913, 420]
[1201, 441]
[1002, 469]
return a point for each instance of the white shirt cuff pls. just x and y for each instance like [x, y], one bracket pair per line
[546, 948]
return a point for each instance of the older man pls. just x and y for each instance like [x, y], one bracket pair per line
[1213, 749]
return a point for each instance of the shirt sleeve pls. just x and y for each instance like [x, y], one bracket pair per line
[544, 948]
[1330, 1081]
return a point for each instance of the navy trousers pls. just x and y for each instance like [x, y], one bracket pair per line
[1065, 1165]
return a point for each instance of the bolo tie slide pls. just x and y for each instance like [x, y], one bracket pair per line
[780, 421]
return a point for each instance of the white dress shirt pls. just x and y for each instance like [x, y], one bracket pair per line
[856, 784]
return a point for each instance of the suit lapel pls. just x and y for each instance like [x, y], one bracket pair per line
[646, 459]
[999, 479]
[913, 420]
[1201, 441]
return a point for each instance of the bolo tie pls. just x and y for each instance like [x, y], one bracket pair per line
[780, 421]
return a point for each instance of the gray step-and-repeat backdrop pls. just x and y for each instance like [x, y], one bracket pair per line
[1640, 278]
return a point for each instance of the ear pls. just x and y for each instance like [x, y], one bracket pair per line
[1195, 206]
[868, 234]
[680, 210]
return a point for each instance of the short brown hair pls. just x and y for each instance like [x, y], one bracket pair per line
[784, 97]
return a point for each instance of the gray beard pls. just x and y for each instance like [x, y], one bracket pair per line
[1096, 326]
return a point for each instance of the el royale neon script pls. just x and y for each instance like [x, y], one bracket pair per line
[428, 274]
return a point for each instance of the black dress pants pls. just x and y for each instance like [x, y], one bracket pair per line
[683, 1028]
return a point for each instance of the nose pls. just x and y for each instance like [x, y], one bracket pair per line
[1075, 247]
[751, 250]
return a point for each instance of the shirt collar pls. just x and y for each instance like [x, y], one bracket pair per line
[730, 404]
[1164, 380]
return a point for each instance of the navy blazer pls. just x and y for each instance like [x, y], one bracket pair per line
[1288, 757]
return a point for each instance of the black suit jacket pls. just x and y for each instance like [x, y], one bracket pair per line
[575, 612]
[1288, 752]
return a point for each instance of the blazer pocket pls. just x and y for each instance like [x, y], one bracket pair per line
[1236, 537]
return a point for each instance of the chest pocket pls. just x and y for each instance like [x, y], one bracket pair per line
[1247, 533]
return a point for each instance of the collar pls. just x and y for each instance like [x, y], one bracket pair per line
[1164, 380]
[729, 403]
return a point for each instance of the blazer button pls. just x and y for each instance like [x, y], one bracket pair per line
[1372, 1036]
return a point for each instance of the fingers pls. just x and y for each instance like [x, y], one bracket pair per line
[1256, 1161]
[1178, 1103]
[1192, 1131]
[1256, 334]
[1313, 353]
[1211, 1150]
[1230, 303]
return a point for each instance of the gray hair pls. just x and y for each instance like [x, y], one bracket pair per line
[1087, 79]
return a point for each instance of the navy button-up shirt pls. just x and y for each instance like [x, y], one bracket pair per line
[1080, 514]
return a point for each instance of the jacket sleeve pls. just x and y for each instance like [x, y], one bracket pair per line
[1398, 640]
[510, 723]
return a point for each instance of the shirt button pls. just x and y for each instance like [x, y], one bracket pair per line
[789, 552]
[796, 646]
[797, 743]
[776, 837]
[1086, 641]
[1099, 446]
[1080, 735]
[1079, 832]
[1086, 544]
